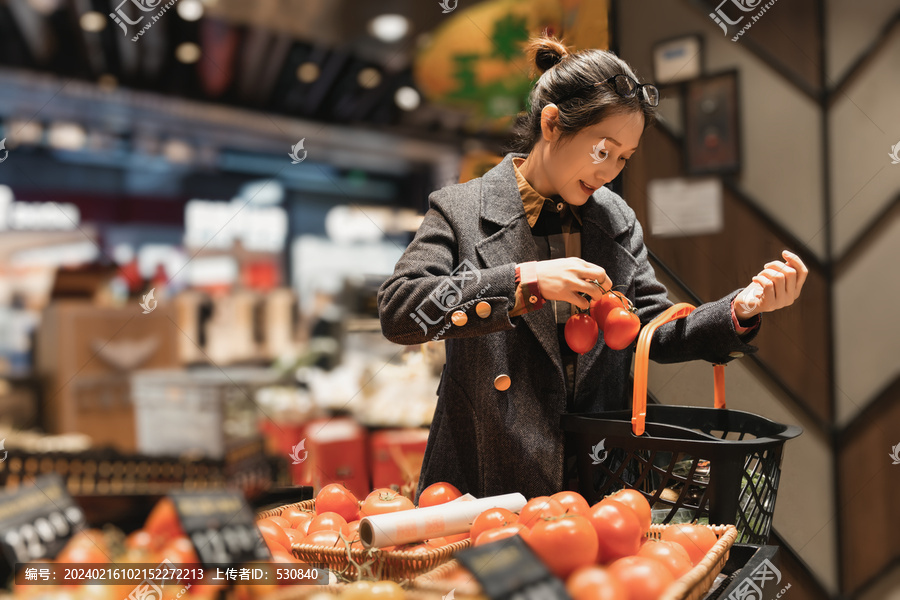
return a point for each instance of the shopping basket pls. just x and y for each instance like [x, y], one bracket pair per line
[716, 464]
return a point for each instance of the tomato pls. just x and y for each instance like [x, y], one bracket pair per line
[581, 332]
[621, 328]
[601, 307]
[384, 500]
[139, 540]
[296, 516]
[501, 533]
[86, 546]
[538, 508]
[643, 578]
[358, 590]
[671, 555]
[637, 502]
[618, 530]
[697, 540]
[573, 502]
[162, 522]
[438, 493]
[295, 536]
[338, 499]
[280, 521]
[329, 538]
[180, 551]
[491, 519]
[564, 544]
[271, 532]
[594, 583]
[329, 521]
[301, 521]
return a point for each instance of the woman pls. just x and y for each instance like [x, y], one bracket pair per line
[500, 260]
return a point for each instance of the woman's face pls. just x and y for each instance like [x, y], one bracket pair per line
[576, 167]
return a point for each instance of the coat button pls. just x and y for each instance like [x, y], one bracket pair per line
[736, 355]
[532, 299]
[459, 318]
[502, 382]
[560, 206]
[483, 310]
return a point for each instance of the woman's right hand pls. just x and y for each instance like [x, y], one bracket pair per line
[562, 279]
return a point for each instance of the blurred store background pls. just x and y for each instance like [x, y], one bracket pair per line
[198, 203]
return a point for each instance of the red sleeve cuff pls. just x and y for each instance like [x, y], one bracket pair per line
[747, 326]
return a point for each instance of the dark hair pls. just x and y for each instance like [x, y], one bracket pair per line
[569, 77]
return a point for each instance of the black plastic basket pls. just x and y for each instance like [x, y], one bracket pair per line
[720, 464]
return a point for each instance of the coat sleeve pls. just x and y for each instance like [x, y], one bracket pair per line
[708, 333]
[431, 282]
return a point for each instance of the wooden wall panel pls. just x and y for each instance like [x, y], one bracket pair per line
[869, 488]
[793, 343]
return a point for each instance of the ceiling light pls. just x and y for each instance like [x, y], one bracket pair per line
[190, 10]
[188, 53]
[389, 28]
[66, 136]
[369, 78]
[407, 98]
[308, 72]
[93, 21]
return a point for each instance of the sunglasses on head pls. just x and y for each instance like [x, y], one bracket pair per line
[626, 87]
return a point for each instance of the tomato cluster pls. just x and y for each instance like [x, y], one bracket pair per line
[602, 552]
[614, 314]
[336, 517]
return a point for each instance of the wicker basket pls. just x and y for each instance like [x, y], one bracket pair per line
[368, 564]
[693, 585]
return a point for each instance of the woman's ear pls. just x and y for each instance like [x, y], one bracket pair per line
[549, 116]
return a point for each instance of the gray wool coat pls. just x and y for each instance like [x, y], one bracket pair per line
[463, 258]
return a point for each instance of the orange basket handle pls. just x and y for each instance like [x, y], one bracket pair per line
[642, 364]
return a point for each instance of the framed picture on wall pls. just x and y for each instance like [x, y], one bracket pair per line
[678, 59]
[711, 125]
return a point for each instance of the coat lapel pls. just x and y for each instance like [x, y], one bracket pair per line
[501, 204]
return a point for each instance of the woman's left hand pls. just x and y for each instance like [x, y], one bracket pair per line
[776, 286]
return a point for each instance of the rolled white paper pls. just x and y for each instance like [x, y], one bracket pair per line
[419, 524]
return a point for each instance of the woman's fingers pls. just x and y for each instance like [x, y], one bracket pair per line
[790, 277]
[794, 261]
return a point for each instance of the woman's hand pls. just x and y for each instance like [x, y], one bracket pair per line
[562, 279]
[776, 286]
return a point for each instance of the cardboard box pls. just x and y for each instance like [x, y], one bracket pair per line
[337, 454]
[396, 456]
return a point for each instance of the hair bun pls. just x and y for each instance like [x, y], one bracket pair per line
[546, 52]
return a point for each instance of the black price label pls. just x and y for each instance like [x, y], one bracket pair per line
[37, 520]
[509, 570]
[221, 526]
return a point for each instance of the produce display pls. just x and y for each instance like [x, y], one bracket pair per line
[600, 551]
[613, 314]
